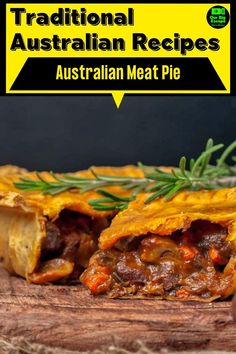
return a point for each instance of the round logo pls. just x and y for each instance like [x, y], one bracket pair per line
[218, 17]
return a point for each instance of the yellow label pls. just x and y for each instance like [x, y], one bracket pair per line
[117, 31]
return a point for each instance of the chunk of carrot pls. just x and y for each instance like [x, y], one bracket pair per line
[188, 252]
[182, 293]
[216, 257]
[94, 280]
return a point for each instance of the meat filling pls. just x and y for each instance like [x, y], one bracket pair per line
[187, 265]
[70, 242]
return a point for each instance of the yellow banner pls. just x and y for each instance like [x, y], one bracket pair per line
[120, 48]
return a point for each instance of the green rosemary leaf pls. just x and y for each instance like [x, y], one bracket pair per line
[213, 186]
[207, 158]
[182, 166]
[165, 177]
[56, 190]
[139, 189]
[25, 183]
[141, 166]
[115, 179]
[191, 164]
[112, 196]
[161, 192]
[57, 178]
[177, 175]
[24, 186]
[105, 207]
[42, 179]
[173, 191]
[226, 154]
[90, 187]
[68, 177]
[131, 185]
[155, 187]
[201, 158]
[27, 180]
[101, 200]
[159, 170]
[93, 173]
[65, 180]
[201, 174]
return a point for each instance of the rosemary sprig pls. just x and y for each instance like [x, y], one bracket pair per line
[194, 175]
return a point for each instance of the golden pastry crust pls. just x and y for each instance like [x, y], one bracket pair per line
[21, 233]
[7, 170]
[51, 205]
[163, 218]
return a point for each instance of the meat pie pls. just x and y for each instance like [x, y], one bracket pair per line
[183, 249]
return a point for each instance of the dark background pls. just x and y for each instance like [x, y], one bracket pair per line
[66, 133]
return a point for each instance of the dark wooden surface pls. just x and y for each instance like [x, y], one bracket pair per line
[70, 317]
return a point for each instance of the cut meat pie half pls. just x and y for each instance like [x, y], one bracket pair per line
[183, 249]
[50, 238]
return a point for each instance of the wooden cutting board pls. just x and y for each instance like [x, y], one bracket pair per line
[70, 317]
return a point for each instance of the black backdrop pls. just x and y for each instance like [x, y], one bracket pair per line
[66, 133]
